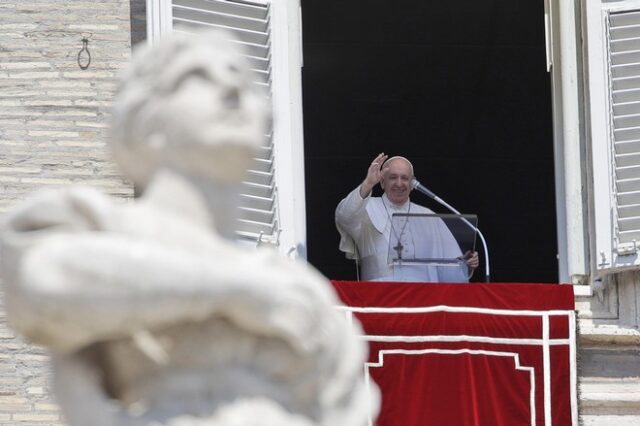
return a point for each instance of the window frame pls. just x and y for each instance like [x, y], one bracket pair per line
[585, 194]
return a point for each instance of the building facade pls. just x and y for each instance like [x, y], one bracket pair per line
[54, 118]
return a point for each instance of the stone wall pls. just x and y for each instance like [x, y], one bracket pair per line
[53, 132]
[609, 356]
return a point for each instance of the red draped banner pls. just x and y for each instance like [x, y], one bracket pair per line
[468, 354]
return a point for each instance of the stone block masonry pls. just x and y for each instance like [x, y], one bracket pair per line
[54, 120]
[53, 115]
[25, 381]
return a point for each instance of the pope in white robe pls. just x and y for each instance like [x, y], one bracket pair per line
[369, 234]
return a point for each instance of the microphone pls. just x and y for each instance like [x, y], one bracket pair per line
[423, 189]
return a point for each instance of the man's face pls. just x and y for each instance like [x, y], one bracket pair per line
[213, 117]
[396, 181]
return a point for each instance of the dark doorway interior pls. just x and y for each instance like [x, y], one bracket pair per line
[461, 89]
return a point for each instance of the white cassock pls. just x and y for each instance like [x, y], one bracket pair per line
[366, 224]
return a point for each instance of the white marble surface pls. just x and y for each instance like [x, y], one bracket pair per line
[152, 315]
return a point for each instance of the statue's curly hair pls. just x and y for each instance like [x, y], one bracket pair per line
[142, 123]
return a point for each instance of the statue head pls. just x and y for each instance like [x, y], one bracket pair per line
[189, 104]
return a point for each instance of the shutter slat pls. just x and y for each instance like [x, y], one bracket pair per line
[629, 236]
[629, 172]
[628, 45]
[625, 58]
[632, 210]
[624, 33]
[628, 199]
[625, 19]
[626, 185]
[266, 150]
[229, 7]
[626, 83]
[625, 70]
[256, 215]
[626, 96]
[630, 224]
[253, 42]
[181, 13]
[242, 34]
[625, 161]
[626, 134]
[259, 64]
[261, 77]
[630, 147]
[627, 121]
[257, 202]
[257, 190]
[626, 109]
[261, 178]
[262, 165]
[252, 229]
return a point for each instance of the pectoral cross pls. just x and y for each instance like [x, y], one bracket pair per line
[398, 248]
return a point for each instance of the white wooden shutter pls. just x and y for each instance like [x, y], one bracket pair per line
[249, 22]
[624, 74]
[615, 135]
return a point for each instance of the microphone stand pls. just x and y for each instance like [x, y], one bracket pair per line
[421, 188]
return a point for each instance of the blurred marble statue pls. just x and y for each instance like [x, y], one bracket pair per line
[153, 315]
